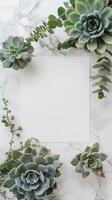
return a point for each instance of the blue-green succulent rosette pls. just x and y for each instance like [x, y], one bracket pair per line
[34, 177]
[16, 53]
[89, 23]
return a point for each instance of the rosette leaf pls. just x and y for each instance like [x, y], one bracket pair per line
[90, 160]
[16, 53]
[34, 177]
[88, 22]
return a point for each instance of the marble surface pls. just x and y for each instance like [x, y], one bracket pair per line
[19, 17]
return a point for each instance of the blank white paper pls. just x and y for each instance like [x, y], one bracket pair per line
[54, 99]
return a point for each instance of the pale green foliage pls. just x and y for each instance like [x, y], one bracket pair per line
[101, 79]
[90, 160]
[15, 53]
[34, 173]
[89, 24]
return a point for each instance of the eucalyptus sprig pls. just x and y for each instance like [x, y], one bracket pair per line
[101, 79]
[43, 30]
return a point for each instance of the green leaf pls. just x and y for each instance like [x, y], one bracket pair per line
[99, 5]
[95, 155]
[90, 5]
[95, 148]
[12, 173]
[67, 23]
[74, 33]
[97, 65]
[74, 162]
[39, 160]
[57, 174]
[74, 17]
[97, 91]
[104, 88]
[72, 2]
[61, 13]
[43, 151]
[87, 149]
[27, 157]
[79, 167]
[84, 174]
[106, 2]
[50, 159]
[107, 38]
[16, 154]
[103, 156]
[69, 11]
[92, 45]
[107, 12]
[31, 165]
[101, 47]
[6, 63]
[79, 45]
[84, 156]
[8, 183]
[78, 156]
[32, 151]
[83, 39]
[99, 163]
[10, 164]
[53, 22]
[20, 169]
[81, 8]
[20, 196]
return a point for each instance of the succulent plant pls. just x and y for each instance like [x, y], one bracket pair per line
[16, 53]
[88, 22]
[35, 175]
[90, 160]
[102, 78]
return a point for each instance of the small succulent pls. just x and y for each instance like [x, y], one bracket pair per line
[16, 53]
[35, 175]
[88, 22]
[90, 160]
[102, 78]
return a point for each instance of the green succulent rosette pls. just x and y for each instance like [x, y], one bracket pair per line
[15, 53]
[34, 177]
[90, 160]
[89, 24]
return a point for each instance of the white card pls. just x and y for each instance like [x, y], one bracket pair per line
[54, 99]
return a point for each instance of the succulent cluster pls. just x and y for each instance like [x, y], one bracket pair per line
[102, 78]
[88, 22]
[90, 160]
[34, 174]
[16, 53]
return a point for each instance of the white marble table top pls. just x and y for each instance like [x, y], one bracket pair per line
[19, 17]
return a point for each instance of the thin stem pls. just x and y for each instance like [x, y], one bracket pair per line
[9, 121]
[11, 142]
